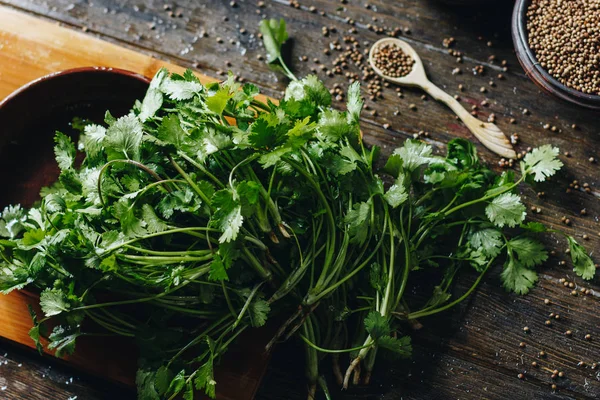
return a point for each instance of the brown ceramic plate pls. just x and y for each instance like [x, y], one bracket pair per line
[30, 116]
[535, 71]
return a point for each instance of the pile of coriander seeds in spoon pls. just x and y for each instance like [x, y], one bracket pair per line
[392, 61]
[565, 37]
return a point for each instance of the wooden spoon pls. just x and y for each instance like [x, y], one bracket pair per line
[487, 133]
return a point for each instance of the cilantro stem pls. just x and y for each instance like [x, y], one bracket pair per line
[484, 198]
[131, 162]
[333, 351]
[246, 305]
[189, 180]
[424, 313]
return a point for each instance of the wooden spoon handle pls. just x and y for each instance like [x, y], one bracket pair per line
[487, 133]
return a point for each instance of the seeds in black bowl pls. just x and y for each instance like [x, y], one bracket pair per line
[392, 61]
[565, 37]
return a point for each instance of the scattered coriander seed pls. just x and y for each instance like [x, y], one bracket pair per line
[583, 211]
[592, 159]
[482, 89]
[557, 316]
[581, 364]
[574, 293]
[553, 386]
[521, 376]
[568, 333]
[522, 344]
[588, 337]
[586, 237]
[561, 374]
[542, 353]
[594, 366]
[534, 364]
[548, 322]
[386, 126]
[512, 121]
[412, 107]
[546, 301]
[571, 285]
[526, 329]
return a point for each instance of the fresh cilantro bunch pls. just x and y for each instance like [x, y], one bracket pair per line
[205, 212]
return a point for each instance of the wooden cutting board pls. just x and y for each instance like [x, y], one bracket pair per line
[31, 48]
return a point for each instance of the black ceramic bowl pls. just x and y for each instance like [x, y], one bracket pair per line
[538, 74]
[31, 115]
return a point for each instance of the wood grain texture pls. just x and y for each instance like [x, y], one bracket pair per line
[473, 351]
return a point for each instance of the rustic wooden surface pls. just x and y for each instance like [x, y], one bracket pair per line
[472, 351]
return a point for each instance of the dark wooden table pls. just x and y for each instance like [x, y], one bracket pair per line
[472, 351]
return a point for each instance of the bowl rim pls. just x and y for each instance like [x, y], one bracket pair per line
[73, 71]
[521, 34]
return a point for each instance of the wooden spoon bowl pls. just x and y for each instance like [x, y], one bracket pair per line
[488, 134]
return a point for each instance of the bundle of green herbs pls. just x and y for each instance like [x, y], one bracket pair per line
[206, 212]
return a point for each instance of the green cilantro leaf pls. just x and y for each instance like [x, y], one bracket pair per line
[259, 311]
[332, 126]
[400, 347]
[153, 223]
[177, 88]
[150, 105]
[218, 101]
[64, 151]
[358, 221]
[54, 302]
[274, 36]
[123, 138]
[177, 383]
[144, 380]
[413, 154]
[516, 277]
[63, 340]
[377, 325]
[12, 220]
[583, 265]
[163, 379]
[542, 162]
[354, 104]
[489, 240]
[529, 252]
[396, 194]
[228, 215]
[506, 209]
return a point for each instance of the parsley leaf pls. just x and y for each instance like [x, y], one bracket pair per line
[506, 209]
